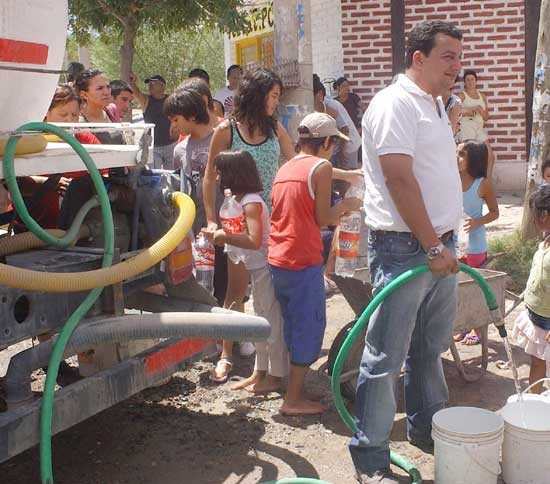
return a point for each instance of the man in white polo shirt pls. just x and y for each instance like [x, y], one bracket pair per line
[413, 202]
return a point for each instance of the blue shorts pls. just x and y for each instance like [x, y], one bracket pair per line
[539, 321]
[301, 295]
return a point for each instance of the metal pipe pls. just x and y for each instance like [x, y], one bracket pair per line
[218, 324]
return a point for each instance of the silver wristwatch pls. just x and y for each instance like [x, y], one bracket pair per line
[435, 252]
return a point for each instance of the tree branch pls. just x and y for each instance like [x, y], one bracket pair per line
[111, 11]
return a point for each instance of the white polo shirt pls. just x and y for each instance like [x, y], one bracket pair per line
[403, 119]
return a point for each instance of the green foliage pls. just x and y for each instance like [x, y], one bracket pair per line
[171, 55]
[162, 16]
[513, 256]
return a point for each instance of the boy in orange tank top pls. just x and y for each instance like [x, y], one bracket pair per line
[301, 205]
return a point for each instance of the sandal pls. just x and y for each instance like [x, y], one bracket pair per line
[223, 367]
[458, 337]
[471, 340]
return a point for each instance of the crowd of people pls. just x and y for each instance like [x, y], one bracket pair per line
[421, 188]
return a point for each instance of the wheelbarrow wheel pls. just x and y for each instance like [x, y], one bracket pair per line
[350, 370]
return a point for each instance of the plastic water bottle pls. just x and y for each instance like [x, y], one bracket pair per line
[204, 262]
[233, 222]
[349, 235]
[463, 239]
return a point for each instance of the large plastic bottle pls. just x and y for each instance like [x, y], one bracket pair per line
[204, 262]
[347, 249]
[463, 239]
[233, 222]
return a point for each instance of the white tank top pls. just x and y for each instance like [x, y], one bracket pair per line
[469, 103]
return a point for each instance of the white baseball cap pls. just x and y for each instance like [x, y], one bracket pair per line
[320, 125]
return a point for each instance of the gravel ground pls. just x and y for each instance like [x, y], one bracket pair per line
[194, 431]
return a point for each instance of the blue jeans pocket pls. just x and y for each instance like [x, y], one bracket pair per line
[400, 249]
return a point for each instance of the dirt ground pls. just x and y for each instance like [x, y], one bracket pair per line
[196, 432]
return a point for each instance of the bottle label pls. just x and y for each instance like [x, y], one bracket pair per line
[234, 225]
[348, 244]
[180, 262]
[205, 257]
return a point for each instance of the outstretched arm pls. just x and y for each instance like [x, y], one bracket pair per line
[141, 98]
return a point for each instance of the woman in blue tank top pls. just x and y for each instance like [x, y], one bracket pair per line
[477, 191]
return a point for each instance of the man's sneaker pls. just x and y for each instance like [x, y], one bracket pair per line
[246, 348]
[383, 476]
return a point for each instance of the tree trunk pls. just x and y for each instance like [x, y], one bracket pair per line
[127, 48]
[540, 138]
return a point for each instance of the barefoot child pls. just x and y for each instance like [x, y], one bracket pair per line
[532, 327]
[477, 191]
[301, 206]
[237, 170]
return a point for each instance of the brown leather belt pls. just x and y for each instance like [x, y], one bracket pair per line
[444, 238]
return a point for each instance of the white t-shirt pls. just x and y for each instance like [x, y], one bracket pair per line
[403, 119]
[343, 119]
[225, 96]
[256, 259]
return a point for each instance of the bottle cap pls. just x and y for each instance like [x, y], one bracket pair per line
[227, 192]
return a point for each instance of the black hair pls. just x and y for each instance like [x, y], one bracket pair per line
[73, 70]
[118, 86]
[251, 97]
[539, 201]
[545, 166]
[201, 86]
[238, 171]
[477, 158]
[314, 144]
[318, 85]
[232, 67]
[338, 82]
[82, 82]
[469, 72]
[187, 103]
[64, 93]
[422, 37]
[200, 73]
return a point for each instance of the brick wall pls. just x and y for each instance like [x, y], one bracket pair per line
[326, 38]
[494, 45]
[366, 42]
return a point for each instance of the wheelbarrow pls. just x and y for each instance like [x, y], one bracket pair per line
[472, 313]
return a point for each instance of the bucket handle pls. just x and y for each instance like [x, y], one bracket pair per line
[533, 384]
[474, 458]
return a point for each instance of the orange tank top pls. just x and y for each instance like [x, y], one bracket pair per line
[295, 237]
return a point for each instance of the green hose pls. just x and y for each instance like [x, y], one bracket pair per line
[46, 470]
[358, 328]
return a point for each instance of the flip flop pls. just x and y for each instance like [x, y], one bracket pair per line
[457, 338]
[471, 340]
[224, 366]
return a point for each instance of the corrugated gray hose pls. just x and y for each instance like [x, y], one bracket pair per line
[217, 324]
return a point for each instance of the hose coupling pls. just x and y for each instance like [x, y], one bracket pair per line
[498, 321]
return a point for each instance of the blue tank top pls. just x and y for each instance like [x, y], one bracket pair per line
[473, 207]
[266, 155]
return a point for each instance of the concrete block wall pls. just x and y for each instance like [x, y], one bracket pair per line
[326, 38]
[494, 45]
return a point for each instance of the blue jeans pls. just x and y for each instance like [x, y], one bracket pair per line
[412, 325]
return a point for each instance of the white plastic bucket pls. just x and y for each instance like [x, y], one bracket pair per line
[467, 445]
[526, 447]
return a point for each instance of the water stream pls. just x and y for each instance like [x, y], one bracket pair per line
[515, 374]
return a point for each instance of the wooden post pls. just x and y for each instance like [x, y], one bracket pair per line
[540, 135]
